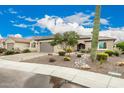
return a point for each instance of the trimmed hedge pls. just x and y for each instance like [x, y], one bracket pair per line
[61, 53]
[120, 46]
[2, 50]
[26, 51]
[52, 59]
[9, 52]
[69, 50]
[102, 57]
[116, 53]
[66, 58]
[109, 52]
[79, 55]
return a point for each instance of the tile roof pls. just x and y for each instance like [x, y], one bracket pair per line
[20, 40]
[38, 38]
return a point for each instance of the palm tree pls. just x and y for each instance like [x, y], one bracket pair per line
[95, 33]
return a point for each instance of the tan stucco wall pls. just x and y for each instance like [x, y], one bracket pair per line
[109, 45]
[57, 48]
[20, 46]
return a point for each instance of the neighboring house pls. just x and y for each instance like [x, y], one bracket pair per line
[84, 42]
[17, 43]
[2, 43]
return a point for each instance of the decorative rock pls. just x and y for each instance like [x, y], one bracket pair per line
[120, 63]
[86, 66]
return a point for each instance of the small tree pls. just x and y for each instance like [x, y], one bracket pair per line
[66, 40]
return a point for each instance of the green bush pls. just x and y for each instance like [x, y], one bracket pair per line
[116, 53]
[120, 46]
[26, 51]
[61, 53]
[109, 52]
[69, 50]
[52, 59]
[66, 58]
[79, 55]
[83, 51]
[9, 52]
[102, 57]
[89, 50]
[2, 50]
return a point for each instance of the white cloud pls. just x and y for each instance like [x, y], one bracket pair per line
[15, 35]
[12, 11]
[27, 18]
[30, 19]
[104, 21]
[57, 24]
[80, 18]
[1, 36]
[20, 25]
[21, 17]
[12, 21]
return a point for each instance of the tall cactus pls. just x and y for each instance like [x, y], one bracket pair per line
[95, 33]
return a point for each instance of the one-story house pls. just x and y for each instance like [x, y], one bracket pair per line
[43, 45]
[17, 43]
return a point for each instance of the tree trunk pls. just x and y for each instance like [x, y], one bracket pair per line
[95, 34]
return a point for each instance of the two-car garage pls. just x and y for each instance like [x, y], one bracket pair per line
[46, 47]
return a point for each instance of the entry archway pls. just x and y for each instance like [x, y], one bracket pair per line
[80, 46]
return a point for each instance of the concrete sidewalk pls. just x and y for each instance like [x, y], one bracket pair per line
[23, 56]
[85, 78]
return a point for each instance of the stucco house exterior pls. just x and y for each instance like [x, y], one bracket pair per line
[43, 45]
[17, 43]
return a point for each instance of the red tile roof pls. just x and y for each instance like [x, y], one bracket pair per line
[20, 40]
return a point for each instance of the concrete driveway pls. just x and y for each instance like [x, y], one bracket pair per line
[23, 56]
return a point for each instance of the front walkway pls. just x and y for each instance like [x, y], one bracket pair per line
[23, 56]
[85, 78]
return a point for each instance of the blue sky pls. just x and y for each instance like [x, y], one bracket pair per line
[46, 20]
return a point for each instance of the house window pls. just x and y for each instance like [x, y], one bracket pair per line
[33, 45]
[102, 45]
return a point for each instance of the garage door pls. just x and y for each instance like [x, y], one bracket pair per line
[10, 46]
[46, 47]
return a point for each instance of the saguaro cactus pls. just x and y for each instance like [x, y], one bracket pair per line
[95, 34]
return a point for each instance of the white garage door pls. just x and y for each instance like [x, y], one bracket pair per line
[46, 47]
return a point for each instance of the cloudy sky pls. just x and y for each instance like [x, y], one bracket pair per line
[30, 21]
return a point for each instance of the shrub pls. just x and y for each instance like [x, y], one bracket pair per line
[50, 54]
[78, 55]
[52, 60]
[116, 53]
[17, 52]
[2, 50]
[109, 52]
[102, 57]
[89, 50]
[120, 46]
[61, 53]
[83, 51]
[9, 52]
[26, 51]
[69, 50]
[66, 58]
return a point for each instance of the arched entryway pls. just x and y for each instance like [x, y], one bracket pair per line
[80, 46]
